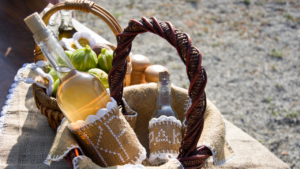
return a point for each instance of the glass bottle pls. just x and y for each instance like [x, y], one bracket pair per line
[66, 29]
[79, 94]
[164, 127]
[164, 98]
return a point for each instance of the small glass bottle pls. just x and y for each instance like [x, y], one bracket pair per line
[66, 29]
[79, 94]
[164, 127]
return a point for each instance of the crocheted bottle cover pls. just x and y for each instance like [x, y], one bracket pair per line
[108, 139]
[164, 139]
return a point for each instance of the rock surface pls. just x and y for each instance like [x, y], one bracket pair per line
[251, 53]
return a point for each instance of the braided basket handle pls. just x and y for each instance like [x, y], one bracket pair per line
[189, 155]
[82, 5]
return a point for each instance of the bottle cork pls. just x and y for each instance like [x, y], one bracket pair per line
[152, 73]
[139, 64]
[35, 23]
[164, 76]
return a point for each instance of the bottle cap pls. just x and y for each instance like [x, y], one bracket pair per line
[163, 76]
[152, 73]
[35, 23]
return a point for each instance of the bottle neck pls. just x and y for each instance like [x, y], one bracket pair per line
[164, 93]
[66, 20]
[54, 53]
[66, 24]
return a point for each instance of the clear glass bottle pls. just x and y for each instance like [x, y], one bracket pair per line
[79, 94]
[164, 98]
[66, 29]
[164, 127]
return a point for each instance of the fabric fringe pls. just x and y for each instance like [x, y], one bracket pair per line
[50, 159]
[75, 161]
[214, 152]
[8, 103]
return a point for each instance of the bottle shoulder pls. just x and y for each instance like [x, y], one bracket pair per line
[166, 110]
[73, 73]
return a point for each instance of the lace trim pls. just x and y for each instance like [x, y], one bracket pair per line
[58, 128]
[130, 117]
[167, 155]
[39, 68]
[214, 152]
[131, 112]
[215, 158]
[49, 160]
[4, 114]
[142, 155]
[164, 119]
[126, 166]
[110, 106]
[131, 166]
[175, 161]
[75, 161]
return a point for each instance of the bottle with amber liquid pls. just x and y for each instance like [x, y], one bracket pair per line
[66, 29]
[164, 127]
[79, 94]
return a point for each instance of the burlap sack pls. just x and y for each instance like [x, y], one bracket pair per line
[142, 99]
[26, 138]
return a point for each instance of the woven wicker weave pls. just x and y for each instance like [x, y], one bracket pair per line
[190, 156]
[46, 104]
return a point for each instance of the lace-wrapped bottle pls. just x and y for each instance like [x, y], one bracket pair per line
[164, 127]
[79, 94]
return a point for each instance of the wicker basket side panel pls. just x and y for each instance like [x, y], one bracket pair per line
[54, 116]
[43, 98]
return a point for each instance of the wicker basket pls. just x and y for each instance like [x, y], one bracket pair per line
[46, 104]
[190, 155]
